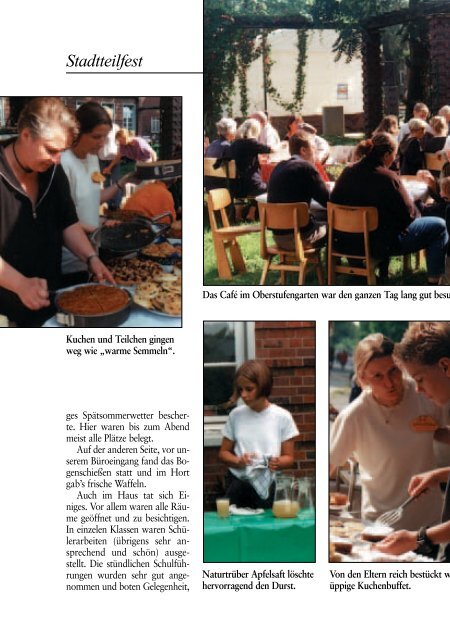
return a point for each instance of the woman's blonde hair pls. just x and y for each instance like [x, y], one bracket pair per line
[249, 129]
[124, 133]
[439, 125]
[372, 347]
[41, 114]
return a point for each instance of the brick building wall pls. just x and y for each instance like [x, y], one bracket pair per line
[288, 349]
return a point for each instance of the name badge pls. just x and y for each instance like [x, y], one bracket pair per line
[424, 423]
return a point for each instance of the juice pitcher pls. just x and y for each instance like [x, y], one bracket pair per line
[282, 504]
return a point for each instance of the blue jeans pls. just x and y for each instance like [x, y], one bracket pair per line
[429, 234]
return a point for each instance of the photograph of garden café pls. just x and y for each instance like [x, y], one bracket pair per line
[90, 211]
[326, 143]
[259, 441]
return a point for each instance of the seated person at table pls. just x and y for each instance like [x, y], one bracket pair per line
[258, 439]
[437, 140]
[381, 429]
[441, 206]
[297, 180]
[424, 353]
[226, 130]
[292, 125]
[411, 154]
[321, 145]
[389, 124]
[245, 150]
[268, 134]
[420, 111]
[399, 232]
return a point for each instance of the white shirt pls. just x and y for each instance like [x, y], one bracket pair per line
[109, 151]
[389, 452]
[260, 432]
[86, 196]
[269, 136]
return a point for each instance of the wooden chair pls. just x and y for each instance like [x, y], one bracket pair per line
[435, 161]
[226, 172]
[225, 236]
[358, 220]
[292, 216]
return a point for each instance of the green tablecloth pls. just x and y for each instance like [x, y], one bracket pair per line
[261, 538]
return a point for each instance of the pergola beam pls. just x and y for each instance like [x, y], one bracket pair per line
[295, 21]
[400, 16]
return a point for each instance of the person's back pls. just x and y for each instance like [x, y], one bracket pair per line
[218, 148]
[369, 183]
[295, 180]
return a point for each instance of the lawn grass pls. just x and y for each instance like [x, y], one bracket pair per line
[250, 250]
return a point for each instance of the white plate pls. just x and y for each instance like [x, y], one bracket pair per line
[244, 511]
[337, 508]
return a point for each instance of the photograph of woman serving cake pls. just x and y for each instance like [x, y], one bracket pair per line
[387, 432]
[60, 229]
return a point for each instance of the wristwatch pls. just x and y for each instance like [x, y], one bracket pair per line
[424, 542]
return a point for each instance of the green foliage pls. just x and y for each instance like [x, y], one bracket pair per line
[346, 335]
[229, 51]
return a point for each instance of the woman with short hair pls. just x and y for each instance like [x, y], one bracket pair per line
[245, 150]
[37, 213]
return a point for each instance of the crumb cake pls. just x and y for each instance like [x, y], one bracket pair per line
[93, 300]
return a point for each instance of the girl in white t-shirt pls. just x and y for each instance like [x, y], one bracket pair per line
[258, 439]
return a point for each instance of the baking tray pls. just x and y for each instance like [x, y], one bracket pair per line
[103, 320]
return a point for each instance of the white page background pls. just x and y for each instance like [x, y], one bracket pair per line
[40, 383]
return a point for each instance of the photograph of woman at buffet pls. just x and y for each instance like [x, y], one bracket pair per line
[382, 430]
[424, 353]
[37, 214]
[258, 439]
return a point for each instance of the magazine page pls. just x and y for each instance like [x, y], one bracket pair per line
[231, 415]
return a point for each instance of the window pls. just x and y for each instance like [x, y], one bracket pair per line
[129, 117]
[155, 125]
[226, 345]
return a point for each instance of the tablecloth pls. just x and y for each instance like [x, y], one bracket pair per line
[262, 538]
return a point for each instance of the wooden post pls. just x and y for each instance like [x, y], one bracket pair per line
[372, 80]
[439, 29]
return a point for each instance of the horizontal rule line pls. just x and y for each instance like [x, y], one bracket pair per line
[111, 73]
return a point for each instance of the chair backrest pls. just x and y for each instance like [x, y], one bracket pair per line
[285, 216]
[352, 219]
[226, 170]
[435, 161]
[281, 217]
[218, 200]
